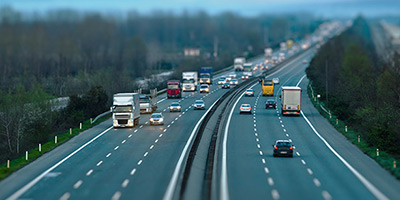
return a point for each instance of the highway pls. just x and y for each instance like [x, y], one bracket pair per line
[141, 162]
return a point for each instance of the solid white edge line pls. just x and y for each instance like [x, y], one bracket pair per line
[378, 194]
[172, 184]
[28, 186]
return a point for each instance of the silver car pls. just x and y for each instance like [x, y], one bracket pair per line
[204, 88]
[275, 80]
[245, 108]
[156, 119]
[175, 107]
[234, 82]
[199, 104]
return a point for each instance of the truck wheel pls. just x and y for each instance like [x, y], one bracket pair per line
[136, 122]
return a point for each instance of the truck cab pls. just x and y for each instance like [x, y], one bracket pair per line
[174, 89]
[125, 110]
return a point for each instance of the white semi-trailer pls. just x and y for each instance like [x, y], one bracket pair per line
[291, 100]
[238, 63]
[189, 81]
[148, 102]
[268, 52]
[125, 110]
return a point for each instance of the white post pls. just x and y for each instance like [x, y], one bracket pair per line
[345, 129]
[8, 164]
[55, 139]
[70, 131]
[394, 164]
[40, 147]
[377, 152]
[80, 125]
[26, 155]
[358, 138]
[337, 121]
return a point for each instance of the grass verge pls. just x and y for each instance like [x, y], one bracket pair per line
[384, 159]
[33, 154]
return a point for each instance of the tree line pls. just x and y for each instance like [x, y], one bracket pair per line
[359, 87]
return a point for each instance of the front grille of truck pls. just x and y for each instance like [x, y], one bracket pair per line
[126, 117]
[122, 121]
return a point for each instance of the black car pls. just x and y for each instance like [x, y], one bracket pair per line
[260, 78]
[270, 104]
[283, 148]
[226, 85]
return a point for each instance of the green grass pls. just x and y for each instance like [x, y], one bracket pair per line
[384, 159]
[33, 154]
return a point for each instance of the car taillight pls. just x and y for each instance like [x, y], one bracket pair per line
[275, 147]
[290, 148]
[241, 108]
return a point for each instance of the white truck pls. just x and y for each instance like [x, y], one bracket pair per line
[148, 102]
[238, 63]
[268, 52]
[283, 46]
[291, 100]
[125, 110]
[248, 69]
[189, 81]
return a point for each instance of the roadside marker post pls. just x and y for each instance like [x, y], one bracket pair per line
[377, 152]
[40, 147]
[394, 164]
[8, 164]
[70, 131]
[337, 121]
[358, 138]
[345, 129]
[55, 139]
[80, 125]
[26, 155]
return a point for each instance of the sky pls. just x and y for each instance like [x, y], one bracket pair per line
[325, 8]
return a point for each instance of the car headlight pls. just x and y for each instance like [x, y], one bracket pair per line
[151, 119]
[161, 120]
[178, 107]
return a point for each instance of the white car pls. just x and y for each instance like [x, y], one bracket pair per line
[305, 61]
[249, 93]
[204, 88]
[221, 80]
[199, 104]
[156, 118]
[275, 80]
[245, 108]
[245, 77]
[232, 75]
[234, 82]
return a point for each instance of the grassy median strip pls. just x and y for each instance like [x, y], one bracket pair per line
[33, 154]
[384, 159]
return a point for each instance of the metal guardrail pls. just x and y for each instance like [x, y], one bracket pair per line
[100, 116]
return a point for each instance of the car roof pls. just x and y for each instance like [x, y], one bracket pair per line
[156, 114]
[270, 100]
[283, 141]
[249, 90]
[199, 100]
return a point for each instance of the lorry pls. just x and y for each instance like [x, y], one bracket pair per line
[268, 52]
[291, 100]
[283, 46]
[125, 110]
[238, 63]
[189, 81]
[289, 44]
[148, 102]
[174, 89]
[248, 70]
[206, 75]
[281, 57]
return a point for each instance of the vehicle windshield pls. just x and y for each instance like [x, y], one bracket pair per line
[205, 76]
[198, 102]
[268, 83]
[246, 105]
[249, 90]
[270, 101]
[247, 69]
[144, 99]
[171, 87]
[156, 116]
[123, 109]
[188, 81]
[175, 104]
[204, 86]
[283, 144]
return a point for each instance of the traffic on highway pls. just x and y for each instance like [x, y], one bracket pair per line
[246, 131]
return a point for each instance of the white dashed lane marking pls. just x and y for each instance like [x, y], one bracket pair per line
[140, 162]
[304, 162]
[133, 171]
[78, 184]
[89, 172]
[125, 183]
[116, 196]
[309, 171]
[99, 163]
[270, 181]
[66, 196]
[108, 155]
[316, 182]
[116, 147]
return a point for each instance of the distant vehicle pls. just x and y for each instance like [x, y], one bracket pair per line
[289, 44]
[275, 80]
[238, 63]
[281, 56]
[283, 46]
[245, 77]
[283, 148]
[270, 103]
[199, 104]
[189, 81]
[156, 119]
[267, 87]
[274, 60]
[305, 61]
[148, 102]
[175, 106]
[204, 88]
[234, 82]
[206, 75]
[174, 89]
[232, 75]
[249, 93]
[125, 112]
[260, 78]
[227, 79]
[226, 85]
[245, 108]
[248, 70]
[268, 52]
[221, 80]
[291, 100]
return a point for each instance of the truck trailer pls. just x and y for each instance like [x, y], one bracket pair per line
[125, 110]
[291, 100]
[148, 102]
